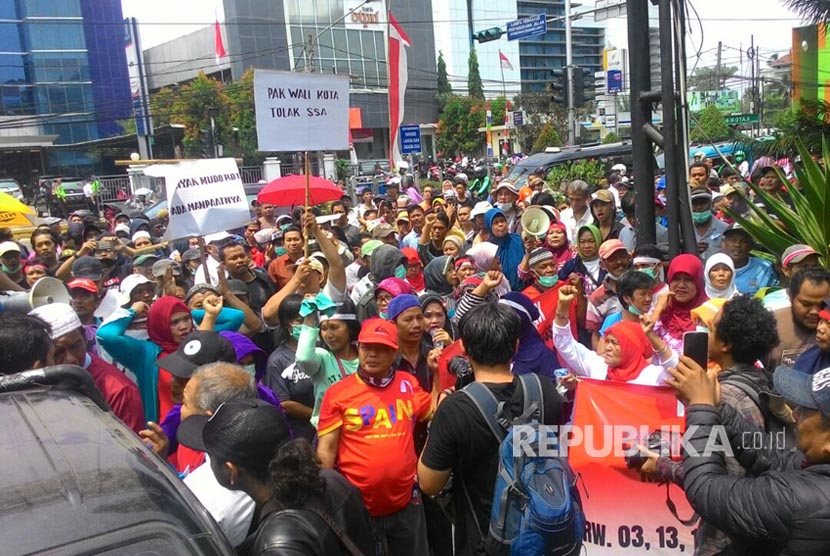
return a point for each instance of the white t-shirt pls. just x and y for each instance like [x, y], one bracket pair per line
[213, 272]
[233, 510]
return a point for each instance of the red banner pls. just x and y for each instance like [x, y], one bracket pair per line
[626, 514]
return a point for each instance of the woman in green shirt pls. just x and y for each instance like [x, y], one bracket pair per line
[327, 366]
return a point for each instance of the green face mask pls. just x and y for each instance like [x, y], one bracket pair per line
[12, 270]
[280, 251]
[548, 281]
[384, 316]
[650, 272]
[702, 217]
[400, 271]
[295, 331]
[634, 311]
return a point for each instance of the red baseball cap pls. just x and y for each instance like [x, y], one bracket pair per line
[379, 331]
[83, 284]
[611, 246]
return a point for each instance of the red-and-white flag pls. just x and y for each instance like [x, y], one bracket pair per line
[505, 63]
[219, 49]
[398, 41]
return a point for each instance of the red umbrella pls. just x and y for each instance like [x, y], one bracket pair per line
[290, 191]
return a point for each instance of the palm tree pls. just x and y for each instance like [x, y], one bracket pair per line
[817, 11]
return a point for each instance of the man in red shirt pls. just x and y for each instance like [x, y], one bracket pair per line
[67, 335]
[366, 426]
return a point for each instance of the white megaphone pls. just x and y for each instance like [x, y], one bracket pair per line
[535, 221]
[45, 291]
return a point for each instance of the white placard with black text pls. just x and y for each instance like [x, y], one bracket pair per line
[301, 111]
[203, 196]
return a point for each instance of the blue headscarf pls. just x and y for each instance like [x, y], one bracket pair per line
[510, 252]
[533, 356]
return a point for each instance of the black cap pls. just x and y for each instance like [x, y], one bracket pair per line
[87, 267]
[198, 348]
[237, 287]
[246, 432]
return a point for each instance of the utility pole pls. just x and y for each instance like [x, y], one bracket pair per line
[640, 82]
[753, 103]
[569, 68]
[718, 66]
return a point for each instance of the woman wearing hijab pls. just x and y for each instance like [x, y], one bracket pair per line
[454, 246]
[337, 360]
[586, 263]
[556, 240]
[168, 322]
[673, 314]
[414, 269]
[511, 248]
[441, 280]
[627, 350]
[532, 355]
[719, 275]
[704, 317]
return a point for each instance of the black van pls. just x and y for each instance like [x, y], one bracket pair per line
[77, 481]
[609, 155]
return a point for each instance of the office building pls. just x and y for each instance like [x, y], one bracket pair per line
[63, 82]
[541, 54]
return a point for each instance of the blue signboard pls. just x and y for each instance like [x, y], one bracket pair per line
[527, 27]
[410, 139]
[614, 81]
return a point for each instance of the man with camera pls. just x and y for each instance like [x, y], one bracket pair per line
[741, 334]
[782, 508]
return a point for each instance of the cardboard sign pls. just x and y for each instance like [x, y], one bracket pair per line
[301, 111]
[203, 196]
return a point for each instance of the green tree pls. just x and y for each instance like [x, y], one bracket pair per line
[611, 137]
[540, 110]
[547, 138]
[444, 87]
[711, 127]
[458, 127]
[709, 79]
[474, 87]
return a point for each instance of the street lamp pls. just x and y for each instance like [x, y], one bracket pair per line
[312, 39]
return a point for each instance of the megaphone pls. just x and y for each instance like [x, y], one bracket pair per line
[45, 291]
[535, 221]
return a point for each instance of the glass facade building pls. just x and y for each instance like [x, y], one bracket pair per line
[274, 34]
[543, 53]
[62, 66]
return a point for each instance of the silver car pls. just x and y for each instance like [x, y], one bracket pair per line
[10, 186]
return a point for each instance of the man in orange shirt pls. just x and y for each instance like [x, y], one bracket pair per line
[366, 426]
[281, 269]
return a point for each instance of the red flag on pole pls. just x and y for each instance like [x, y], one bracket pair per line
[505, 63]
[398, 41]
[220, 46]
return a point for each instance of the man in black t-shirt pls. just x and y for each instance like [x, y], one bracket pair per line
[460, 441]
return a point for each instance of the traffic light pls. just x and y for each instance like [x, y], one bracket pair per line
[584, 86]
[559, 86]
[205, 143]
[491, 34]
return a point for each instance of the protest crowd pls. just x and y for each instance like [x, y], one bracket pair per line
[342, 379]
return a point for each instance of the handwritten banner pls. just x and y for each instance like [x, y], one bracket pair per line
[301, 111]
[625, 514]
[203, 196]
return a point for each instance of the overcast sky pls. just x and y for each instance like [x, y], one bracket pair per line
[729, 21]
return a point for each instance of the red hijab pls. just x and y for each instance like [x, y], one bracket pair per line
[418, 283]
[158, 322]
[560, 254]
[677, 317]
[635, 350]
